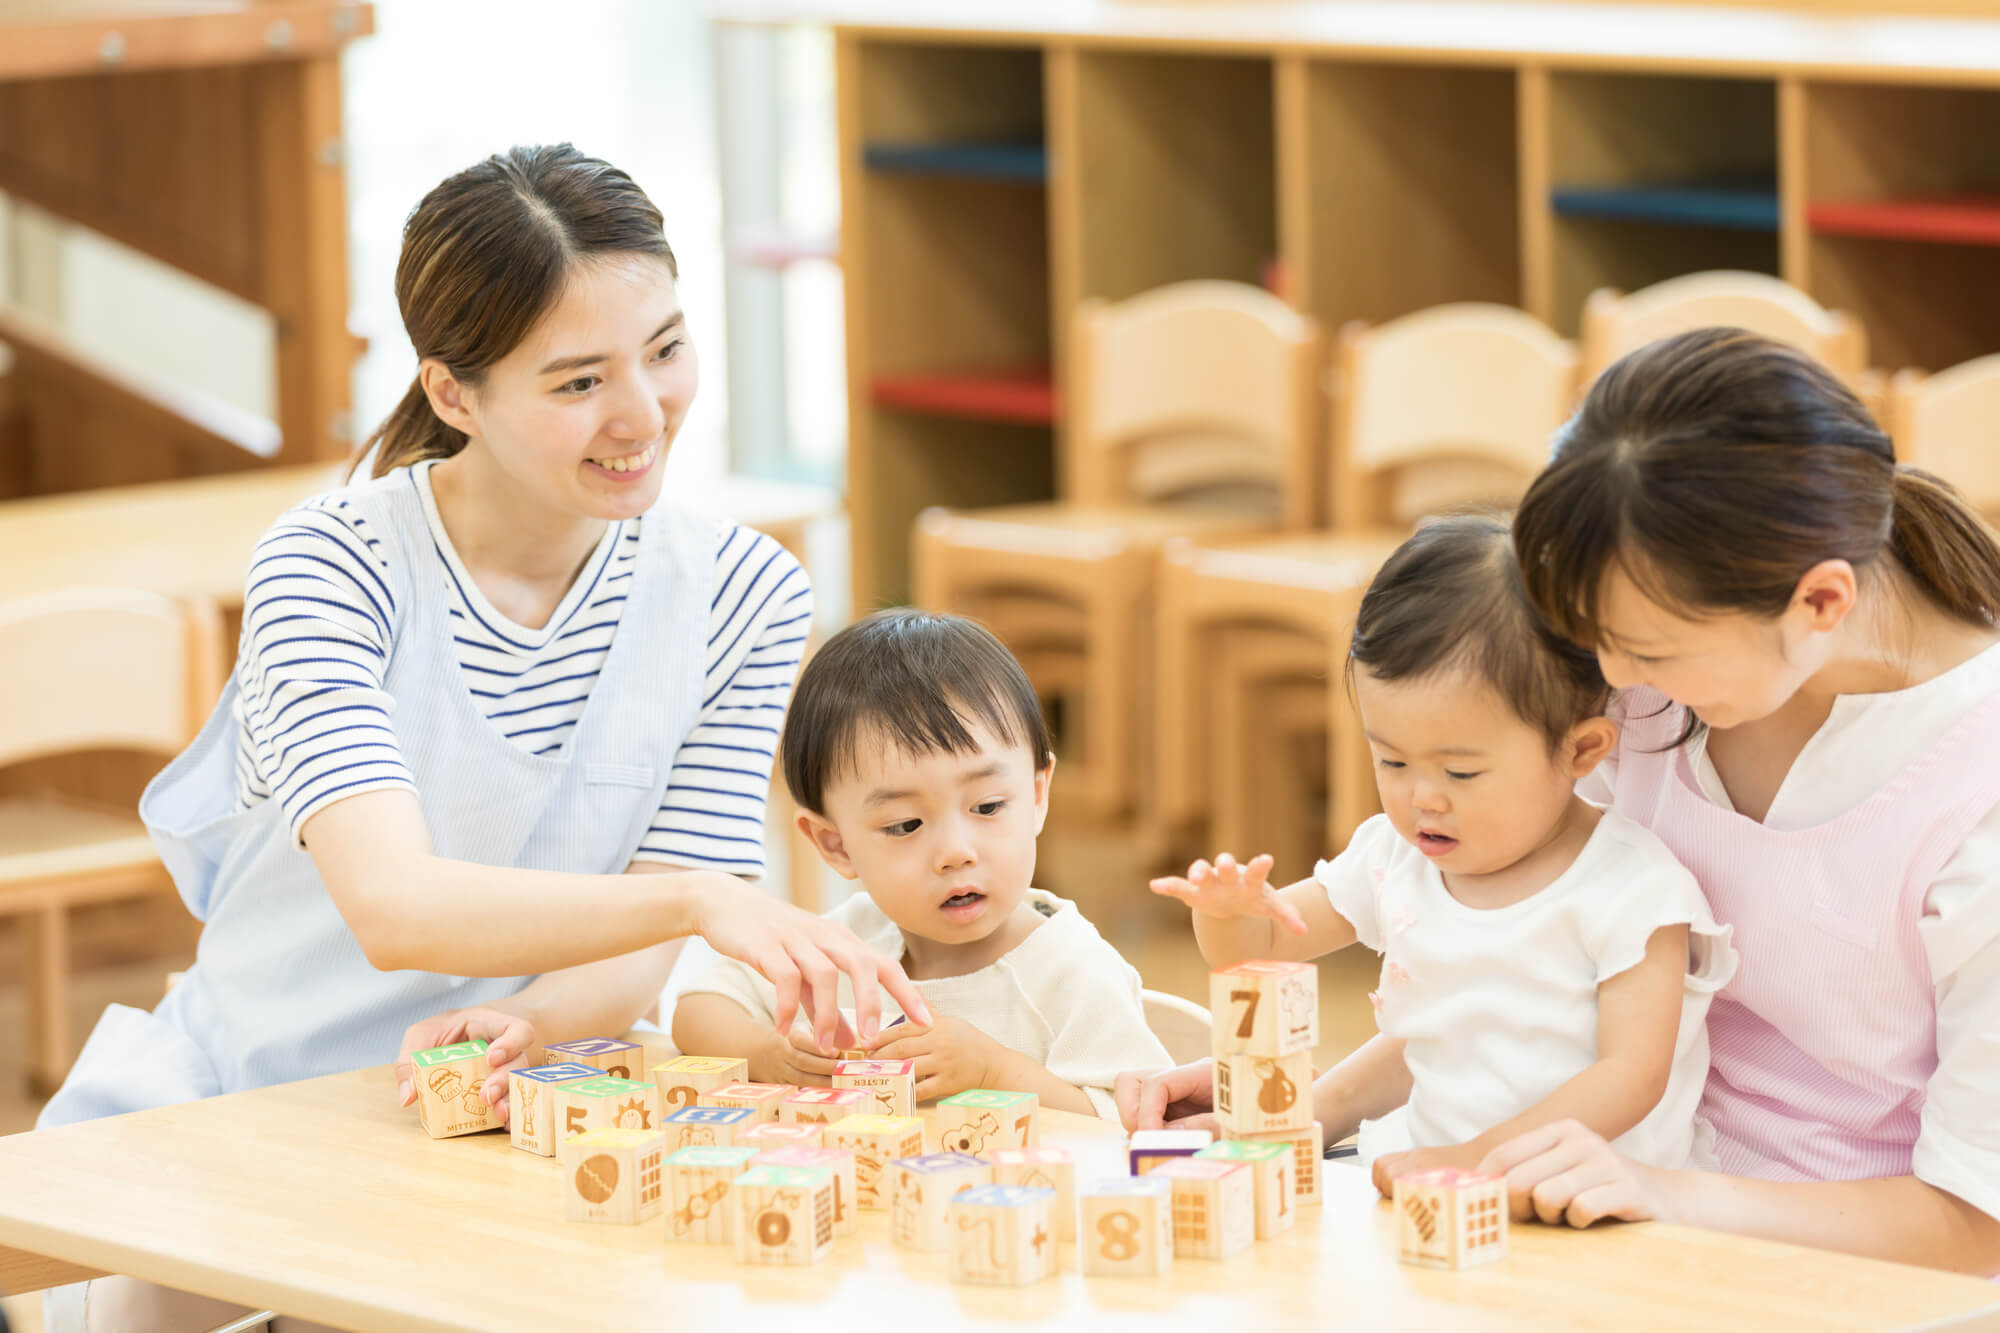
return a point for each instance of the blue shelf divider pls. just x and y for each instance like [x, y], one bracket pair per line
[1026, 162]
[1742, 207]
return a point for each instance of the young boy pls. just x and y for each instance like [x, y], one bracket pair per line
[917, 753]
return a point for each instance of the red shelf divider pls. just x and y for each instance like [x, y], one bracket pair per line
[1026, 394]
[1960, 221]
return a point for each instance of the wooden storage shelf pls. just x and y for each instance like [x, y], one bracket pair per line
[1964, 221]
[1743, 208]
[1023, 162]
[1026, 396]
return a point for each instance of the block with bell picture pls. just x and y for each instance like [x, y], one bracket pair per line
[1150, 1148]
[823, 1106]
[875, 1141]
[917, 1191]
[1215, 1207]
[763, 1098]
[1307, 1146]
[979, 1120]
[706, 1126]
[1271, 1167]
[1261, 1094]
[1264, 1008]
[619, 1059]
[605, 1102]
[613, 1175]
[1042, 1168]
[532, 1114]
[784, 1214]
[769, 1135]
[451, 1089]
[1449, 1218]
[846, 1204]
[1002, 1235]
[891, 1083]
[1127, 1227]
[683, 1079]
[698, 1185]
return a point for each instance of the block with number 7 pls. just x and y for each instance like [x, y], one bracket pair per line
[1265, 1008]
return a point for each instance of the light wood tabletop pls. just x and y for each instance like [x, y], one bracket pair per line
[324, 1200]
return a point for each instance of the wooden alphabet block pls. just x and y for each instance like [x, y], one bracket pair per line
[875, 1141]
[698, 1185]
[1215, 1207]
[1308, 1147]
[918, 1190]
[1127, 1227]
[1450, 1218]
[1271, 1169]
[846, 1204]
[823, 1106]
[1150, 1147]
[774, 1134]
[980, 1120]
[1262, 1094]
[1265, 1008]
[683, 1079]
[706, 1126]
[1042, 1168]
[605, 1102]
[619, 1059]
[613, 1175]
[784, 1215]
[451, 1089]
[763, 1098]
[892, 1083]
[1001, 1235]
[531, 1103]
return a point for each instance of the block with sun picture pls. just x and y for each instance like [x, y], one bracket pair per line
[613, 1175]
[1450, 1218]
[784, 1214]
[606, 1103]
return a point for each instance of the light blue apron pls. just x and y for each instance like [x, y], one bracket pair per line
[280, 989]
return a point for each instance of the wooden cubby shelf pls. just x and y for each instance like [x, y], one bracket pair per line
[1026, 163]
[1026, 396]
[1973, 221]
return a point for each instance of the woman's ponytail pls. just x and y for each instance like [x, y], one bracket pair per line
[1945, 546]
[410, 434]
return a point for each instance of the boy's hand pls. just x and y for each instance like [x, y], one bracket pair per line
[1227, 889]
[509, 1042]
[1464, 1156]
[951, 1055]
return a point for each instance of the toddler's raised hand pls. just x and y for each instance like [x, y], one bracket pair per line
[1227, 889]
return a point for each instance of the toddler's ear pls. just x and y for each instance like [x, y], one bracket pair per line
[826, 840]
[1590, 743]
[1043, 777]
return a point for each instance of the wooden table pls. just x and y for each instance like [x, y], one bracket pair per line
[324, 1200]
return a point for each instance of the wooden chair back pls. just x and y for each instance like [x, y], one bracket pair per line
[1945, 423]
[1615, 323]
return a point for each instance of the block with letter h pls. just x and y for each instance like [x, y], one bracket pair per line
[532, 1113]
[707, 1126]
[1001, 1236]
[891, 1083]
[619, 1059]
[698, 1185]
[920, 1188]
[451, 1089]
[613, 1175]
[1127, 1228]
[784, 1214]
[684, 1079]
[980, 1120]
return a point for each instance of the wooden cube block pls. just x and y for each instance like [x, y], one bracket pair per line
[773, 1134]
[875, 1141]
[980, 1120]
[763, 1098]
[1127, 1227]
[1150, 1147]
[918, 1190]
[531, 1104]
[613, 1175]
[1001, 1235]
[605, 1102]
[823, 1106]
[1215, 1207]
[1450, 1218]
[451, 1089]
[619, 1059]
[683, 1079]
[1042, 1168]
[698, 1184]
[1271, 1169]
[784, 1214]
[706, 1126]
[892, 1083]
[846, 1205]
[1308, 1147]
[1265, 1008]
[1261, 1094]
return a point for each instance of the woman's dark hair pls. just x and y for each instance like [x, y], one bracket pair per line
[913, 678]
[1715, 468]
[485, 257]
[1451, 599]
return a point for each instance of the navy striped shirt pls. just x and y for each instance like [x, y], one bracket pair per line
[319, 617]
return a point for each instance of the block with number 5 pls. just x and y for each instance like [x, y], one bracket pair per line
[1265, 1008]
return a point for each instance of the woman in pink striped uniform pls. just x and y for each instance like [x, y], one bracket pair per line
[1804, 636]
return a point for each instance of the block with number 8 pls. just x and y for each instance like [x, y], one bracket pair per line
[1127, 1228]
